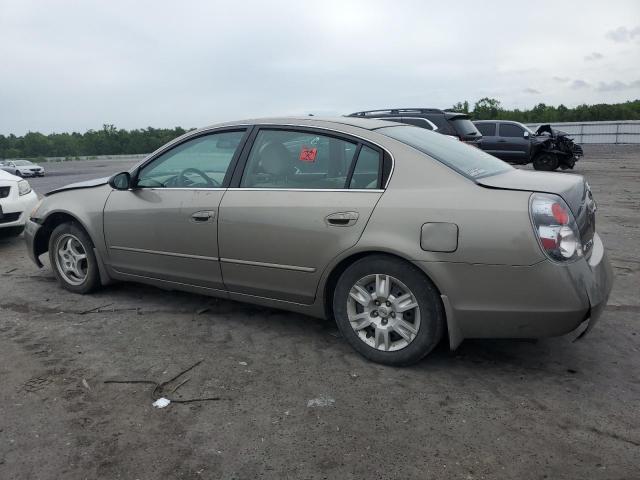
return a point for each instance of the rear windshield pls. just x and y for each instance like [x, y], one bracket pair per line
[464, 127]
[465, 159]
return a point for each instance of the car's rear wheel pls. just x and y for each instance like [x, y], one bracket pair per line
[72, 258]
[546, 162]
[388, 310]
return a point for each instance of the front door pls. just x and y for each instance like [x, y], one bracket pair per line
[303, 198]
[166, 227]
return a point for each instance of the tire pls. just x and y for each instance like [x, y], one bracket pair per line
[11, 231]
[546, 162]
[426, 320]
[81, 275]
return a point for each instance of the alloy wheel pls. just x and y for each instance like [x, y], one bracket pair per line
[71, 259]
[383, 312]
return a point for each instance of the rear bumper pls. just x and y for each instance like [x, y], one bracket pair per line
[541, 300]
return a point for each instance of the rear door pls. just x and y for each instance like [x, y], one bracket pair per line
[166, 227]
[301, 197]
[512, 144]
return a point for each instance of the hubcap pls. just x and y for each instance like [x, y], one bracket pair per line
[71, 259]
[383, 312]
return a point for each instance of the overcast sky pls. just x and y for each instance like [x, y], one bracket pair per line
[74, 65]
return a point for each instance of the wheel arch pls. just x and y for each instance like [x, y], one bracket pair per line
[343, 264]
[50, 222]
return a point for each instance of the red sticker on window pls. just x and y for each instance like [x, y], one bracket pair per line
[308, 154]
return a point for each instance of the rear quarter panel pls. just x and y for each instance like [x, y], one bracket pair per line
[494, 225]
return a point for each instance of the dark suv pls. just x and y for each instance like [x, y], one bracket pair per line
[454, 124]
[547, 148]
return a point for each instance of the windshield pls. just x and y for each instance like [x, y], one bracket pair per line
[464, 127]
[22, 163]
[469, 161]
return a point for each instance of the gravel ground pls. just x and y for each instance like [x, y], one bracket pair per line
[293, 400]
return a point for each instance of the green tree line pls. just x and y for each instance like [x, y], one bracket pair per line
[107, 141]
[113, 141]
[491, 109]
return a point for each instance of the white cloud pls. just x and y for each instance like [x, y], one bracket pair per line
[594, 56]
[623, 34]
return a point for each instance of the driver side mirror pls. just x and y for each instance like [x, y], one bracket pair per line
[526, 134]
[120, 181]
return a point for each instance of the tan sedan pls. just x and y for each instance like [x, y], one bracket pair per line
[402, 235]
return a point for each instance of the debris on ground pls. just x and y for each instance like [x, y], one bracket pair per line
[321, 401]
[156, 393]
[161, 402]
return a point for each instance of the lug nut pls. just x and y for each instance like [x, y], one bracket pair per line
[388, 303]
[377, 302]
[374, 313]
[393, 314]
[384, 321]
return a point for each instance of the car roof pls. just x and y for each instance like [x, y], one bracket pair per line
[496, 121]
[312, 121]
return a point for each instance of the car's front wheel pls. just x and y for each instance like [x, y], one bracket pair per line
[388, 310]
[546, 162]
[72, 258]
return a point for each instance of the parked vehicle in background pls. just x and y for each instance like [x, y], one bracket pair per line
[22, 168]
[454, 124]
[547, 148]
[398, 233]
[17, 199]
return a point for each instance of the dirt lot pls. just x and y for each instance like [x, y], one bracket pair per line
[294, 401]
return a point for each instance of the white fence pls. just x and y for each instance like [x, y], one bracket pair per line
[626, 131]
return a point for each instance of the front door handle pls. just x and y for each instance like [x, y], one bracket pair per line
[203, 216]
[342, 219]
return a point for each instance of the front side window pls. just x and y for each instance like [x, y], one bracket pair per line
[298, 160]
[510, 130]
[465, 159]
[198, 163]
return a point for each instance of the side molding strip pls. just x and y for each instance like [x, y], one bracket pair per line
[168, 254]
[269, 265]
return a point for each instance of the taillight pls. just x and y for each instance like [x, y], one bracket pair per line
[555, 227]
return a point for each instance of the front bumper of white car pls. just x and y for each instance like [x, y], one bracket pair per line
[15, 208]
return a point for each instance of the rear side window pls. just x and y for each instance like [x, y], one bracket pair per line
[510, 130]
[464, 127]
[366, 174]
[300, 160]
[467, 160]
[487, 129]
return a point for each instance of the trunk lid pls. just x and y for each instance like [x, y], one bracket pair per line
[573, 189]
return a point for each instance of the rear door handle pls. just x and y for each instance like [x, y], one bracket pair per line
[203, 216]
[342, 219]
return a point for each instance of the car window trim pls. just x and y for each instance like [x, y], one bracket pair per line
[324, 131]
[187, 138]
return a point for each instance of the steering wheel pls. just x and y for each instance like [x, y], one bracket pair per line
[182, 178]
